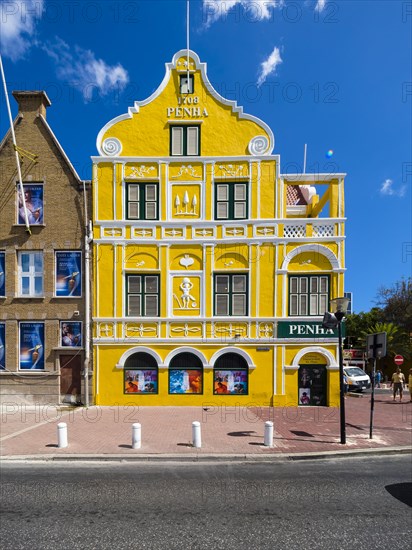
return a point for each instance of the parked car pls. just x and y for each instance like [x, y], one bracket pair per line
[358, 380]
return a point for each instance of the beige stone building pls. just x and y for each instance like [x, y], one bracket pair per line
[43, 281]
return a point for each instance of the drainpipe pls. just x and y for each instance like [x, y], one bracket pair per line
[87, 240]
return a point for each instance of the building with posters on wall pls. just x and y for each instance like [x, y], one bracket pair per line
[42, 283]
[212, 269]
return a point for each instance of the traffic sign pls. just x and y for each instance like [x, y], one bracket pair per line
[398, 360]
[376, 345]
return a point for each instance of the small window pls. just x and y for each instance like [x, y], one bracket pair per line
[184, 141]
[231, 201]
[308, 295]
[142, 201]
[186, 84]
[142, 295]
[231, 295]
[30, 274]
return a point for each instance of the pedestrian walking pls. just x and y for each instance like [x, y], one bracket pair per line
[410, 384]
[398, 383]
[378, 378]
[345, 385]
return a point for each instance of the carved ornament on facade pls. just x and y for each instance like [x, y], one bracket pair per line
[112, 147]
[187, 170]
[259, 145]
[182, 207]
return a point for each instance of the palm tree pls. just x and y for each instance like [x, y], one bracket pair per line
[396, 338]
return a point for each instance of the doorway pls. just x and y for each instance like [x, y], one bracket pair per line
[70, 379]
[312, 381]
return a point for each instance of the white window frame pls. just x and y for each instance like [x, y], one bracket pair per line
[32, 274]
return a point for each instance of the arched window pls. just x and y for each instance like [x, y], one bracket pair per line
[141, 374]
[230, 375]
[185, 374]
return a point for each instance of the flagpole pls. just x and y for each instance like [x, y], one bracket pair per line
[15, 147]
[187, 40]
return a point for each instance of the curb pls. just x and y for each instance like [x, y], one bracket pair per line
[275, 457]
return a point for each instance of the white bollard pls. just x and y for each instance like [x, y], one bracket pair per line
[196, 435]
[268, 442]
[62, 435]
[136, 436]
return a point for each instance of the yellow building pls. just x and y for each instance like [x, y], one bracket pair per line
[212, 269]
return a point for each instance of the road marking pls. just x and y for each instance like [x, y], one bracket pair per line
[15, 434]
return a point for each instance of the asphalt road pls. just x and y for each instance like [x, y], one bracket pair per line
[326, 504]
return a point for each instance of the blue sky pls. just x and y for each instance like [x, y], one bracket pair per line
[335, 75]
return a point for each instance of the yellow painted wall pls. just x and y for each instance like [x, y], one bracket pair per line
[175, 248]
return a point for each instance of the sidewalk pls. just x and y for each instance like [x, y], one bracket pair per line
[228, 430]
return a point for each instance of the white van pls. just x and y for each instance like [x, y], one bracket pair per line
[358, 380]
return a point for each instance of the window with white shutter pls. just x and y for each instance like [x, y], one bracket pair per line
[231, 201]
[308, 295]
[142, 295]
[231, 294]
[142, 201]
[184, 141]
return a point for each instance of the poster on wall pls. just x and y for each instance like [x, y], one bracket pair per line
[140, 381]
[230, 382]
[2, 274]
[185, 381]
[2, 346]
[33, 197]
[312, 381]
[68, 274]
[31, 346]
[71, 334]
[304, 396]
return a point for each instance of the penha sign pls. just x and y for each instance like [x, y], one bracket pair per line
[305, 329]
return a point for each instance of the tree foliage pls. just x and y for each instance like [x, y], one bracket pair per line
[396, 303]
[394, 316]
[397, 340]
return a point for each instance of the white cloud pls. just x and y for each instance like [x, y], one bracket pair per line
[18, 20]
[257, 9]
[320, 5]
[388, 189]
[269, 66]
[81, 69]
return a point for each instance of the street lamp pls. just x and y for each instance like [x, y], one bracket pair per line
[338, 308]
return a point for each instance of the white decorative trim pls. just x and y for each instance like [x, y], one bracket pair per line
[186, 349]
[203, 70]
[111, 147]
[259, 145]
[186, 261]
[238, 351]
[233, 171]
[331, 361]
[318, 249]
[140, 349]
[189, 170]
[56, 141]
[312, 178]
[140, 172]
